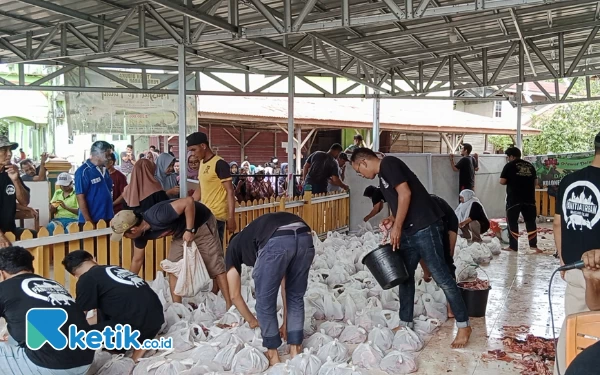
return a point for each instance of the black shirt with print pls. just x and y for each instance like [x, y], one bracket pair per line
[121, 297]
[423, 211]
[244, 247]
[8, 202]
[165, 221]
[520, 176]
[466, 172]
[23, 292]
[577, 204]
[322, 167]
[377, 197]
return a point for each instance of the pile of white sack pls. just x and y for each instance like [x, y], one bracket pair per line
[348, 325]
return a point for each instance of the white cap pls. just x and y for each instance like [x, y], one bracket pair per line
[64, 179]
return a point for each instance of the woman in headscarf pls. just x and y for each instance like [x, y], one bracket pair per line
[282, 180]
[144, 190]
[260, 188]
[472, 219]
[241, 189]
[165, 174]
[234, 170]
[193, 165]
[152, 156]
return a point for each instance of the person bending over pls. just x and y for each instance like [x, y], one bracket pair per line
[186, 221]
[120, 297]
[415, 231]
[377, 199]
[473, 220]
[280, 248]
[321, 167]
[21, 290]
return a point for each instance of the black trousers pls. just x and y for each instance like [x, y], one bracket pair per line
[529, 212]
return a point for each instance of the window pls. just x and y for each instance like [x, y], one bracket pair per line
[498, 109]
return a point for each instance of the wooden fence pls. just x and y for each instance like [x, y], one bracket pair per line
[323, 213]
[546, 204]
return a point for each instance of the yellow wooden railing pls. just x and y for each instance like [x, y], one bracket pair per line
[323, 213]
[546, 204]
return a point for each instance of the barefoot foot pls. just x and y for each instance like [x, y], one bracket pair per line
[295, 350]
[537, 250]
[273, 357]
[508, 249]
[462, 338]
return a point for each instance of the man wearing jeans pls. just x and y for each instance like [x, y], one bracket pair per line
[416, 230]
[280, 248]
[520, 179]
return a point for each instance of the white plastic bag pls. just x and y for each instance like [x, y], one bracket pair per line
[392, 318]
[203, 316]
[397, 362]
[202, 353]
[191, 272]
[332, 308]
[307, 362]
[407, 340]
[225, 356]
[285, 369]
[249, 361]
[100, 359]
[317, 340]
[382, 338]
[367, 356]
[224, 338]
[434, 309]
[182, 335]
[336, 350]
[353, 335]
[426, 326]
[494, 246]
[118, 365]
[333, 329]
[419, 307]
[232, 318]
[203, 369]
[165, 367]
[349, 310]
[389, 300]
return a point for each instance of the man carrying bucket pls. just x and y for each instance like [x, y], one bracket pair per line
[416, 230]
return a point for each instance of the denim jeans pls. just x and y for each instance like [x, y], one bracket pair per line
[427, 244]
[287, 256]
[14, 361]
[59, 221]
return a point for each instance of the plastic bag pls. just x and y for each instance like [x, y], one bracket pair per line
[216, 304]
[203, 316]
[225, 356]
[392, 318]
[397, 362]
[336, 350]
[349, 310]
[285, 369]
[389, 300]
[232, 318]
[419, 307]
[434, 309]
[310, 326]
[203, 369]
[319, 263]
[367, 356]
[160, 286]
[202, 353]
[245, 333]
[225, 338]
[249, 361]
[406, 340]
[425, 326]
[332, 308]
[118, 365]
[333, 329]
[382, 338]
[495, 246]
[100, 359]
[177, 312]
[182, 334]
[191, 272]
[307, 362]
[353, 335]
[165, 367]
[317, 340]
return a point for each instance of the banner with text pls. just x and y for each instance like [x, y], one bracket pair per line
[127, 113]
[552, 168]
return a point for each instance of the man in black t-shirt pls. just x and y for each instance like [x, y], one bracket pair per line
[119, 296]
[520, 179]
[280, 248]
[377, 198]
[323, 166]
[466, 167]
[22, 290]
[186, 221]
[13, 191]
[577, 231]
[415, 232]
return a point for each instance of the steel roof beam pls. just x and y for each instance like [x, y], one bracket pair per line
[190, 12]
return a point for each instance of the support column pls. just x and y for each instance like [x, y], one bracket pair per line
[519, 110]
[290, 132]
[376, 109]
[298, 149]
[182, 120]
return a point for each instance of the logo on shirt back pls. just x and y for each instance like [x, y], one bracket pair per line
[385, 184]
[124, 277]
[580, 205]
[47, 290]
[10, 189]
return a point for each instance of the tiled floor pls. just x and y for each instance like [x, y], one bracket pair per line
[519, 296]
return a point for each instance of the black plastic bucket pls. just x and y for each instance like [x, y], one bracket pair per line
[475, 300]
[387, 266]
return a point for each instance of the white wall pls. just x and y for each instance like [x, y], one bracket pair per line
[437, 176]
[39, 199]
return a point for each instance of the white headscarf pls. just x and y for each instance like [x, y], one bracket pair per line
[464, 209]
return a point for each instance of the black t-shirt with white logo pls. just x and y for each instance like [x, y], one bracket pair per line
[577, 204]
[322, 167]
[165, 221]
[520, 188]
[23, 292]
[422, 211]
[466, 172]
[8, 202]
[121, 297]
[377, 197]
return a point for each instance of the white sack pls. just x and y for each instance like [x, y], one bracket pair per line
[202, 353]
[349, 310]
[307, 362]
[183, 336]
[435, 309]
[382, 338]
[333, 329]
[232, 318]
[192, 275]
[397, 362]
[353, 335]
[406, 340]
[225, 356]
[101, 357]
[284, 369]
[336, 350]
[317, 340]
[118, 365]
[495, 246]
[250, 361]
[203, 369]
[367, 356]
[226, 337]
[165, 367]
[389, 300]
[177, 312]
[426, 326]
[203, 316]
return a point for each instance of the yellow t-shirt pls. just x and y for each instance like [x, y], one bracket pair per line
[211, 175]
[70, 201]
